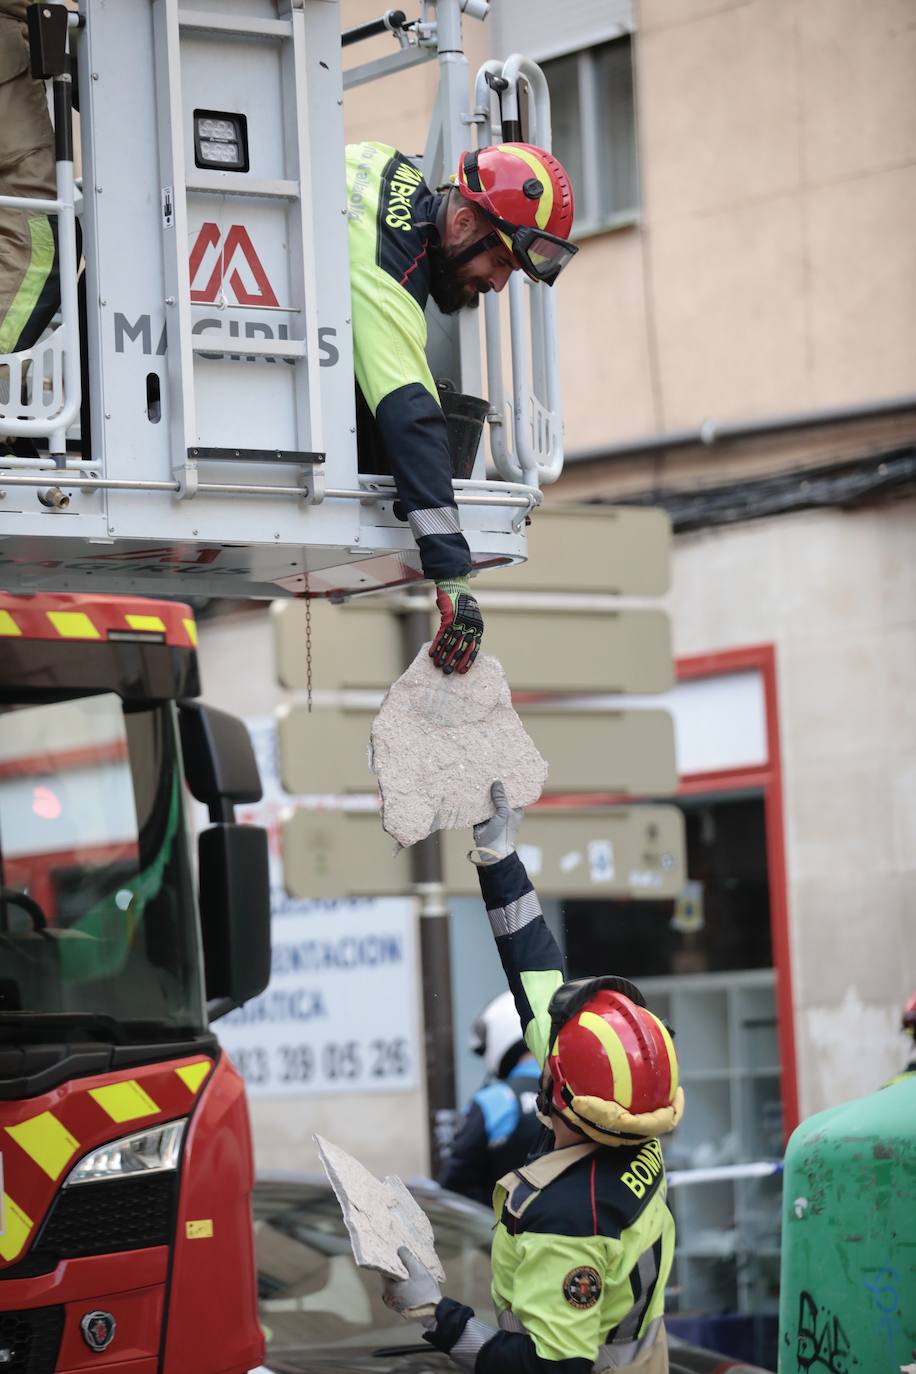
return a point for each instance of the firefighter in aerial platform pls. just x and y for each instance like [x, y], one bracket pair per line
[510, 208]
[584, 1240]
[29, 278]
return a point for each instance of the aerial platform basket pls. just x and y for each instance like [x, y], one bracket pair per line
[221, 443]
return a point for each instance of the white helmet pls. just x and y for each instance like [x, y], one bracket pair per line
[497, 1032]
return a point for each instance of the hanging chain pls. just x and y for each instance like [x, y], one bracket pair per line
[308, 645]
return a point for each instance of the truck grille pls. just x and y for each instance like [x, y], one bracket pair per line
[29, 1341]
[114, 1214]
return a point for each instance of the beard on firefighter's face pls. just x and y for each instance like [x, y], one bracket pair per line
[455, 287]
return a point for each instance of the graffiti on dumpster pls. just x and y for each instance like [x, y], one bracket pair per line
[885, 1294]
[821, 1341]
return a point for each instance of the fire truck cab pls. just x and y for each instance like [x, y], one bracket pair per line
[125, 1148]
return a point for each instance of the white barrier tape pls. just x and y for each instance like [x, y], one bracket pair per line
[763, 1169]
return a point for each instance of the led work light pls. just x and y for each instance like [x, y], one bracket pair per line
[221, 140]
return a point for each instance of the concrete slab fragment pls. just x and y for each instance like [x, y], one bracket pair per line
[439, 742]
[380, 1216]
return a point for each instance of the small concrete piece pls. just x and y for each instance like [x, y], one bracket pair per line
[438, 743]
[380, 1217]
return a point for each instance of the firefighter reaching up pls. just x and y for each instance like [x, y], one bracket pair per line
[511, 208]
[584, 1240]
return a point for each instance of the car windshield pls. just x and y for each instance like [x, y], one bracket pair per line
[313, 1295]
[98, 923]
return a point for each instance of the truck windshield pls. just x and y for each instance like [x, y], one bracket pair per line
[98, 919]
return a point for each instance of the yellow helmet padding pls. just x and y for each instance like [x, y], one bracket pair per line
[611, 1124]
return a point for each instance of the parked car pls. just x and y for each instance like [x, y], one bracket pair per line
[321, 1314]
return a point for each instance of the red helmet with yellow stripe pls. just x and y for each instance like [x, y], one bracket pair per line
[526, 194]
[613, 1065]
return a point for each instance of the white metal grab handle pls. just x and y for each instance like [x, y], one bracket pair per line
[53, 362]
[55, 359]
[526, 430]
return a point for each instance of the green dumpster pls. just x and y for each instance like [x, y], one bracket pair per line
[848, 1285]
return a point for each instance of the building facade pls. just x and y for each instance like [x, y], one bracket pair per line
[756, 282]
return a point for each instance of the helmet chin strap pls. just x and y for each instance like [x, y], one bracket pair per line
[478, 246]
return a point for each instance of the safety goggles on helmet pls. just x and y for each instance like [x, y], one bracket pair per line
[540, 255]
[525, 193]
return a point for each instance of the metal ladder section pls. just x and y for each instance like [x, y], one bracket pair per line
[40, 387]
[169, 24]
[526, 426]
[526, 417]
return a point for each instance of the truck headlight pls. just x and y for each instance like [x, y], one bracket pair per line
[146, 1152]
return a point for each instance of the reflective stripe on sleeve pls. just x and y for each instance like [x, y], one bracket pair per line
[643, 1280]
[465, 1350]
[506, 920]
[440, 520]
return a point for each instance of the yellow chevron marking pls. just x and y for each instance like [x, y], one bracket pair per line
[145, 622]
[8, 625]
[613, 1048]
[192, 1075]
[198, 1230]
[191, 628]
[46, 1141]
[73, 625]
[15, 1233]
[124, 1101]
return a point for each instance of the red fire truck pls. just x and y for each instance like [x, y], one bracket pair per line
[125, 1149]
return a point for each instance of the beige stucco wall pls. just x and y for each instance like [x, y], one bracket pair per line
[835, 593]
[773, 269]
[386, 1130]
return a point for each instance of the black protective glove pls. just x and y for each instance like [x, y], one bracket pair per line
[460, 631]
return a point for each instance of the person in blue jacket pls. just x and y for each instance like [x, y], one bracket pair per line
[500, 1128]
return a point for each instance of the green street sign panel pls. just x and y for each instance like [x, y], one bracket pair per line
[630, 752]
[617, 550]
[636, 852]
[352, 646]
[626, 752]
[582, 651]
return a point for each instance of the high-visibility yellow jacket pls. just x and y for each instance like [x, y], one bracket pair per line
[392, 225]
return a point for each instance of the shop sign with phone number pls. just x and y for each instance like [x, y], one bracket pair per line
[340, 1013]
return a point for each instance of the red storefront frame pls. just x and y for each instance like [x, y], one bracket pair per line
[767, 778]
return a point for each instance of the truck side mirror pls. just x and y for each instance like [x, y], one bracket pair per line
[234, 914]
[219, 762]
[233, 869]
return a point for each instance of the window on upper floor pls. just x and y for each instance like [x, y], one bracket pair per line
[594, 132]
